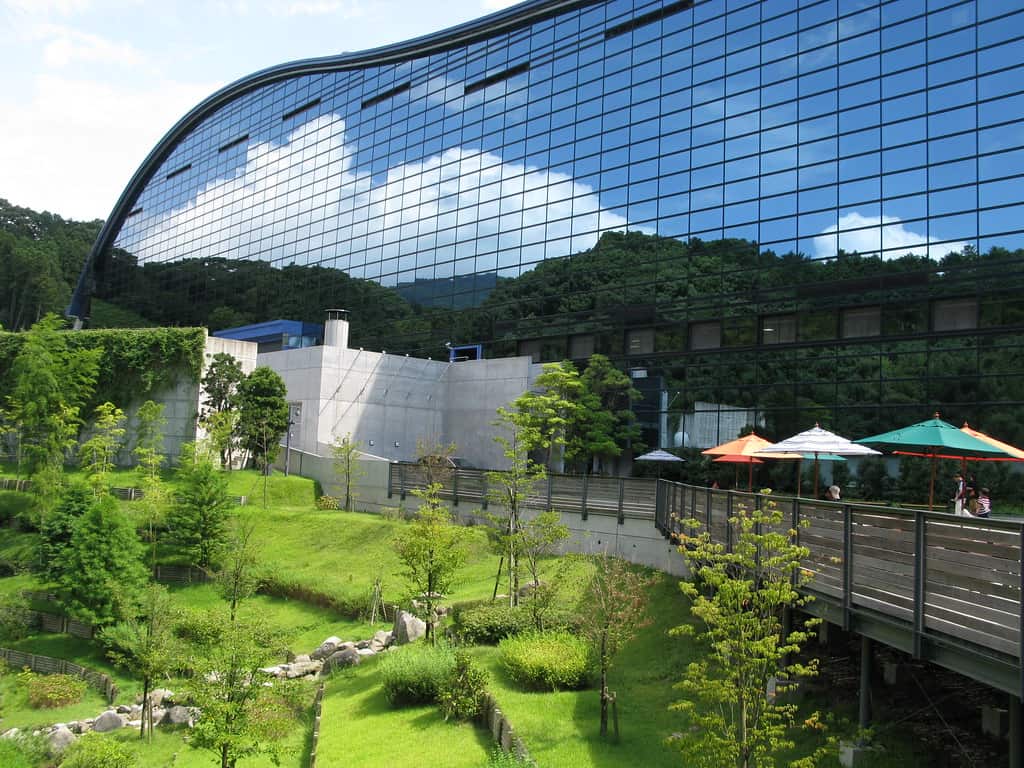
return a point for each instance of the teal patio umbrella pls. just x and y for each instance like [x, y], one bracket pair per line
[933, 439]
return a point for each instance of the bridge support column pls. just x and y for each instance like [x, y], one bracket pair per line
[1016, 735]
[866, 661]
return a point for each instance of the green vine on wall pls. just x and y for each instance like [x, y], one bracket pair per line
[136, 363]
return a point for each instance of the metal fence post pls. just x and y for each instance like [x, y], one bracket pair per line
[919, 577]
[583, 508]
[622, 491]
[391, 471]
[847, 565]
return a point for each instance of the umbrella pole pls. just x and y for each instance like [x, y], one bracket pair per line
[931, 487]
[799, 475]
[815, 475]
[750, 476]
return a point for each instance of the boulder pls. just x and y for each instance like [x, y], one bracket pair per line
[302, 668]
[123, 709]
[366, 652]
[177, 715]
[10, 733]
[380, 641]
[108, 721]
[349, 657]
[161, 696]
[60, 738]
[301, 658]
[407, 628]
[326, 648]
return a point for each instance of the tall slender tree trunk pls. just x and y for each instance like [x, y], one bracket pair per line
[604, 685]
[146, 708]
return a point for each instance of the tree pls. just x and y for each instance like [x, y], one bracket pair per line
[104, 573]
[149, 441]
[222, 378]
[262, 415]
[51, 385]
[146, 646]
[610, 425]
[346, 453]
[614, 608]
[432, 549]
[197, 522]
[554, 410]
[57, 528]
[236, 579]
[98, 452]
[240, 715]
[540, 537]
[740, 594]
[509, 489]
[220, 383]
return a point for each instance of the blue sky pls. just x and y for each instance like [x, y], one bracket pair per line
[90, 86]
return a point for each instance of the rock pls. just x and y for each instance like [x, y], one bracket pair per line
[177, 715]
[302, 658]
[302, 668]
[161, 696]
[366, 652]
[349, 657]
[362, 644]
[278, 671]
[407, 628]
[326, 648]
[60, 738]
[380, 641]
[108, 721]
[10, 733]
[123, 709]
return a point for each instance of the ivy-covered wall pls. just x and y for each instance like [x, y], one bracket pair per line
[136, 363]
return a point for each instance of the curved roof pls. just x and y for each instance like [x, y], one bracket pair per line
[487, 26]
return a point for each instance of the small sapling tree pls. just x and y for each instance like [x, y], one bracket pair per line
[149, 441]
[614, 608]
[347, 470]
[432, 549]
[739, 595]
[97, 454]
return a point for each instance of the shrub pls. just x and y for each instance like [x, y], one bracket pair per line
[328, 502]
[49, 691]
[415, 674]
[15, 617]
[23, 751]
[462, 694]
[93, 750]
[501, 759]
[545, 660]
[488, 623]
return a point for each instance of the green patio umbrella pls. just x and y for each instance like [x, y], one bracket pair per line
[934, 439]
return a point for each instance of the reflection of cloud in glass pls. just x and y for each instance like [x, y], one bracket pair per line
[302, 196]
[886, 235]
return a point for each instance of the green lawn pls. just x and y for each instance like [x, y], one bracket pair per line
[358, 729]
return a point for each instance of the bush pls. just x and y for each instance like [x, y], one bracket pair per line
[546, 660]
[23, 751]
[415, 674]
[15, 618]
[50, 691]
[93, 750]
[462, 694]
[488, 623]
[501, 759]
[328, 502]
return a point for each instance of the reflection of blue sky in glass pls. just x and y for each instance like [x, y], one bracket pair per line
[880, 131]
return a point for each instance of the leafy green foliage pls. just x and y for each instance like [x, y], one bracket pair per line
[57, 527]
[347, 470]
[51, 691]
[197, 522]
[104, 573]
[94, 750]
[546, 661]
[432, 549]
[488, 623]
[498, 758]
[415, 674]
[739, 594]
[98, 453]
[15, 617]
[462, 694]
[262, 414]
[23, 751]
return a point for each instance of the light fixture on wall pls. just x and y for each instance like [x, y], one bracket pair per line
[370, 442]
[397, 444]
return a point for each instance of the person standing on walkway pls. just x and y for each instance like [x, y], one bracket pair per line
[959, 493]
[984, 503]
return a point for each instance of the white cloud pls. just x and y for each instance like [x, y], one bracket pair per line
[443, 205]
[46, 7]
[345, 9]
[887, 235]
[65, 46]
[74, 144]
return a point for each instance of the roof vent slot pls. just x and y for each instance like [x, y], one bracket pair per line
[490, 80]
[385, 95]
[180, 171]
[234, 143]
[648, 18]
[299, 110]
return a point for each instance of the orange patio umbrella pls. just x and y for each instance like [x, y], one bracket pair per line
[742, 450]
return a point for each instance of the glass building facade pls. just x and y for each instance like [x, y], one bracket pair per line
[773, 212]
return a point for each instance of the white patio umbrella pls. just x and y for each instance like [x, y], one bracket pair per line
[659, 456]
[818, 442]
